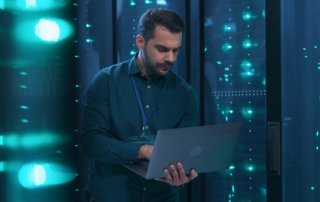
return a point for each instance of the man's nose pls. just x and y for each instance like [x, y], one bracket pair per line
[169, 57]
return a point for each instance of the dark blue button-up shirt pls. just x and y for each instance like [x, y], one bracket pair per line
[112, 115]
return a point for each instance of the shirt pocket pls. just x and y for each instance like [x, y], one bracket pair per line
[169, 116]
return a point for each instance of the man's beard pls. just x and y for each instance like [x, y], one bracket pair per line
[152, 68]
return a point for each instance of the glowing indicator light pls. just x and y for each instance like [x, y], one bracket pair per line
[226, 47]
[39, 175]
[77, 56]
[230, 174]
[2, 4]
[222, 112]
[133, 52]
[232, 188]
[75, 4]
[246, 43]
[31, 3]
[205, 49]
[218, 62]
[226, 118]
[89, 40]
[226, 75]
[318, 67]
[161, 2]
[77, 189]
[317, 148]
[220, 79]
[250, 168]
[148, 2]
[1, 140]
[226, 79]
[24, 107]
[218, 105]
[317, 134]
[24, 121]
[306, 56]
[250, 112]
[231, 111]
[315, 47]
[88, 25]
[48, 30]
[263, 13]
[23, 86]
[249, 73]
[232, 167]
[227, 69]
[77, 86]
[304, 49]
[23, 73]
[248, 64]
[312, 188]
[77, 101]
[132, 3]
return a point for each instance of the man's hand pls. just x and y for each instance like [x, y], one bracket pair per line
[145, 152]
[177, 179]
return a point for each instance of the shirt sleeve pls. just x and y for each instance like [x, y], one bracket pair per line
[96, 139]
[191, 112]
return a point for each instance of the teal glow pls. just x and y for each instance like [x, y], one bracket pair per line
[250, 74]
[245, 65]
[232, 167]
[318, 63]
[24, 121]
[23, 86]
[1, 166]
[2, 4]
[88, 25]
[315, 47]
[229, 197]
[264, 82]
[312, 188]
[227, 28]
[231, 112]
[44, 30]
[1, 140]
[226, 47]
[77, 56]
[263, 13]
[89, 40]
[247, 112]
[133, 52]
[317, 134]
[226, 79]
[222, 112]
[219, 62]
[76, 100]
[218, 105]
[317, 148]
[226, 75]
[75, 4]
[318, 67]
[24, 107]
[23, 73]
[246, 43]
[161, 2]
[217, 97]
[148, 2]
[226, 118]
[306, 56]
[220, 79]
[31, 3]
[132, 3]
[77, 86]
[232, 188]
[246, 16]
[205, 49]
[48, 30]
[227, 69]
[304, 49]
[250, 112]
[33, 175]
[230, 174]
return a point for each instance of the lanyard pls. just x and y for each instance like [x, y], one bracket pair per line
[145, 119]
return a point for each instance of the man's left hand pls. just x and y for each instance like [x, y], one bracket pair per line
[177, 179]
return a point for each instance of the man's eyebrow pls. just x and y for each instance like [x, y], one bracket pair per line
[160, 46]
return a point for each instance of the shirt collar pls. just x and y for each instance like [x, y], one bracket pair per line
[134, 68]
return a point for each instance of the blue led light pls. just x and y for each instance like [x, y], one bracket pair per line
[24, 107]
[88, 25]
[23, 73]
[218, 62]
[24, 121]
[89, 40]
[161, 2]
[23, 86]
[148, 2]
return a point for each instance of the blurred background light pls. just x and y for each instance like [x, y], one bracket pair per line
[226, 47]
[161, 2]
[1, 140]
[33, 140]
[1, 166]
[246, 16]
[246, 43]
[45, 30]
[34, 175]
[2, 4]
[33, 5]
[48, 30]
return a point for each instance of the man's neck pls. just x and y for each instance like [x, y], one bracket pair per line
[141, 65]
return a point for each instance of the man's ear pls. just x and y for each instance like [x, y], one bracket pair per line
[140, 42]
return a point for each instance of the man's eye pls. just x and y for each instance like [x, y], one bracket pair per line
[161, 50]
[176, 50]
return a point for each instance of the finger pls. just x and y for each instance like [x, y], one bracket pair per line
[161, 179]
[175, 175]
[182, 173]
[168, 176]
[193, 174]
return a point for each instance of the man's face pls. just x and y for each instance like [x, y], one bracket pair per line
[160, 53]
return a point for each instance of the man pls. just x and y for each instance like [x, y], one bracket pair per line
[135, 99]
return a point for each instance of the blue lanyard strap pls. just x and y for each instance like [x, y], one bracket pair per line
[145, 119]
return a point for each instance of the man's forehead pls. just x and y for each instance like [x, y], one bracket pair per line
[163, 37]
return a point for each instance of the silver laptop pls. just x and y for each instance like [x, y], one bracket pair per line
[204, 148]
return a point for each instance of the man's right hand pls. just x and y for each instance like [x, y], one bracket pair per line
[145, 152]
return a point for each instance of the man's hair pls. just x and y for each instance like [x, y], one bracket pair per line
[159, 16]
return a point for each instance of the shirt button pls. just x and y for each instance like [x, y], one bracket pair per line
[147, 106]
[149, 87]
[146, 127]
[144, 189]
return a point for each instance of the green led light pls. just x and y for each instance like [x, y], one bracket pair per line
[24, 121]
[148, 2]
[23, 86]
[24, 107]
[246, 43]
[227, 69]
[226, 47]
[88, 25]
[133, 52]
[89, 40]
[219, 62]
[205, 49]
[23, 73]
